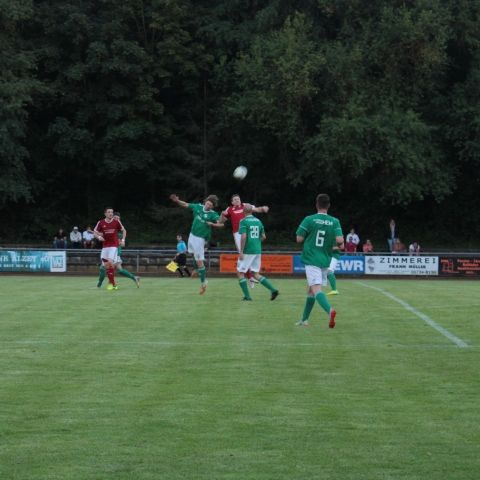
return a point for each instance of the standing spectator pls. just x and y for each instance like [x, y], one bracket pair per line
[353, 238]
[181, 257]
[367, 247]
[88, 238]
[392, 235]
[60, 239]
[75, 238]
[414, 249]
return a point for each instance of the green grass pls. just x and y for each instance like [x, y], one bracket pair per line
[161, 383]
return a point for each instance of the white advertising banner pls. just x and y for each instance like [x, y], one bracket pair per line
[400, 265]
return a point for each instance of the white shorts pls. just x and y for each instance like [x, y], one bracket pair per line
[333, 264]
[316, 275]
[238, 239]
[109, 253]
[250, 262]
[196, 246]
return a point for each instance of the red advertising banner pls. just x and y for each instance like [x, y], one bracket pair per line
[460, 266]
[270, 263]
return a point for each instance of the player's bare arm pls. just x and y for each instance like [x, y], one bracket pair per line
[264, 237]
[124, 235]
[98, 235]
[175, 199]
[340, 242]
[263, 209]
[300, 239]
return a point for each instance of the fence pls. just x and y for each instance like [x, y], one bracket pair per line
[153, 262]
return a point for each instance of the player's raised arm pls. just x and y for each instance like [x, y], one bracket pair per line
[263, 209]
[174, 198]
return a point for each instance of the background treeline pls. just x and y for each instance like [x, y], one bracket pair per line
[123, 102]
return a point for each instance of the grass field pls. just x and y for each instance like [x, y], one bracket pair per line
[161, 383]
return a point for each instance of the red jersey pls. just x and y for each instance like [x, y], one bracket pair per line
[235, 214]
[109, 231]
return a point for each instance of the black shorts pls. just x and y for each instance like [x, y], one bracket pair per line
[181, 259]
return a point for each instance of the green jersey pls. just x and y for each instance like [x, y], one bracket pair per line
[319, 232]
[200, 219]
[254, 230]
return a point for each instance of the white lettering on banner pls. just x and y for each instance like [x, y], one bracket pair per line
[401, 265]
[350, 265]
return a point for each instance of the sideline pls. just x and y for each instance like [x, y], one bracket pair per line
[457, 341]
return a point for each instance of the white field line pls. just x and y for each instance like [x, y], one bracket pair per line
[457, 341]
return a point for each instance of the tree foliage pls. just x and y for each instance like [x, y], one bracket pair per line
[123, 102]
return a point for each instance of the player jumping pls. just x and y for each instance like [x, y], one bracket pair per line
[204, 218]
[235, 213]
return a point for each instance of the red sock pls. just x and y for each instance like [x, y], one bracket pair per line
[111, 275]
[248, 275]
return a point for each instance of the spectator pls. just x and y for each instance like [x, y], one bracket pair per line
[392, 235]
[75, 238]
[353, 237]
[60, 239]
[88, 238]
[414, 249]
[350, 247]
[367, 247]
[399, 247]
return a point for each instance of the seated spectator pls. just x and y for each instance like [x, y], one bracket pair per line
[414, 249]
[353, 237]
[75, 238]
[350, 247]
[367, 247]
[60, 239]
[88, 238]
[399, 247]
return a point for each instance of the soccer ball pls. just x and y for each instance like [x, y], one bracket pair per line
[240, 172]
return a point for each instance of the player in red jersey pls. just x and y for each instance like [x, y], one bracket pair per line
[235, 213]
[106, 231]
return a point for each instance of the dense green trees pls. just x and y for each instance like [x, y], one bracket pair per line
[123, 102]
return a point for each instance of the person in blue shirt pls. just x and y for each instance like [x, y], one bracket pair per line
[181, 257]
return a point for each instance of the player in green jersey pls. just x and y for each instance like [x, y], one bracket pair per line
[204, 218]
[252, 234]
[118, 264]
[319, 233]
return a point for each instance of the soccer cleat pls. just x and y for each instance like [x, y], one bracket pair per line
[251, 283]
[333, 292]
[274, 295]
[137, 281]
[99, 285]
[203, 288]
[333, 314]
[246, 299]
[302, 323]
[112, 287]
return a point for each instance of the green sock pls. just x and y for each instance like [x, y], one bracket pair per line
[308, 307]
[202, 273]
[102, 273]
[243, 286]
[264, 281]
[332, 280]
[195, 266]
[322, 301]
[126, 273]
